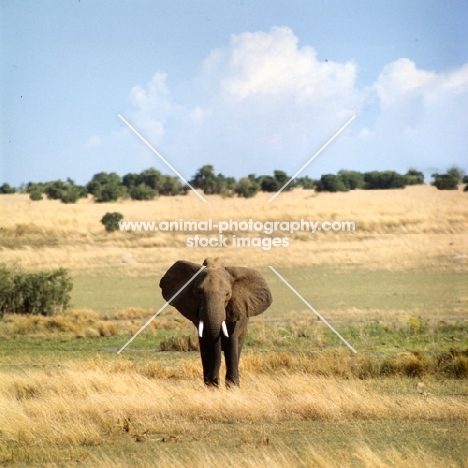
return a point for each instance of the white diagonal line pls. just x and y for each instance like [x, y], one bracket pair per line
[312, 158]
[161, 309]
[312, 309]
[158, 155]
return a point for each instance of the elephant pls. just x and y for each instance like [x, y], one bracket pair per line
[219, 302]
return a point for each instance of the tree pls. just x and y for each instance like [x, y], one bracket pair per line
[151, 177]
[281, 177]
[268, 183]
[142, 192]
[6, 188]
[414, 177]
[456, 172]
[35, 195]
[352, 180]
[111, 221]
[206, 180]
[106, 187]
[331, 183]
[384, 180]
[67, 192]
[171, 186]
[247, 187]
[445, 182]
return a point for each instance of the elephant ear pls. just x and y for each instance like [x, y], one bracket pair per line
[250, 294]
[186, 302]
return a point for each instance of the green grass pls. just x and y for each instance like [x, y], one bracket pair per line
[109, 294]
[427, 292]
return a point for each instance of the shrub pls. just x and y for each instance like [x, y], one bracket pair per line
[456, 172]
[45, 293]
[142, 192]
[414, 177]
[385, 180]
[351, 179]
[273, 184]
[35, 195]
[171, 186]
[246, 188]
[331, 183]
[206, 180]
[106, 187]
[111, 221]
[66, 192]
[445, 182]
[6, 188]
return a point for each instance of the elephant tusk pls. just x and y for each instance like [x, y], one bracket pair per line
[200, 329]
[224, 328]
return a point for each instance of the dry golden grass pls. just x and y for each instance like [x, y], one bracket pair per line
[394, 229]
[95, 403]
[87, 323]
[312, 457]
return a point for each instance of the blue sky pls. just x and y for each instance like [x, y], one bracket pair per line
[247, 86]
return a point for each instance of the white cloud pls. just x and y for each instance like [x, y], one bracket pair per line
[271, 64]
[154, 106]
[264, 102]
[423, 117]
[402, 80]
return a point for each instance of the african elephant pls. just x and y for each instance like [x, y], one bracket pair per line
[219, 302]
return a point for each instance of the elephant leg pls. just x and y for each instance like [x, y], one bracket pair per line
[242, 331]
[211, 360]
[232, 347]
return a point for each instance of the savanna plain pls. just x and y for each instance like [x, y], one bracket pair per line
[395, 289]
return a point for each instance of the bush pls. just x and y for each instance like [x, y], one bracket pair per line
[206, 180]
[35, 195]
[111, 221]
[66, 192]
[456, 172]
[142, 192]
[352, 180]
[45, 293]
[246, 188]
[331, 183]
[384, 180]
[414, 177]
[106, 187]
[171, 186]
[6, 188]
[445, 182]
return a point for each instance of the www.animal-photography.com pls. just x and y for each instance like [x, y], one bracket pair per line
[233, 234]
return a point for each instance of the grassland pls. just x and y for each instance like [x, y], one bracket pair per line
[396, 288]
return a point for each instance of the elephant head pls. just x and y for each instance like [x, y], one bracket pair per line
[219, 302]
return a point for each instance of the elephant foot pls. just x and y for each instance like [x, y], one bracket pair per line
[212, 383]
[232, 383]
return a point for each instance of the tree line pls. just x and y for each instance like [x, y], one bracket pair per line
[151, 183]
